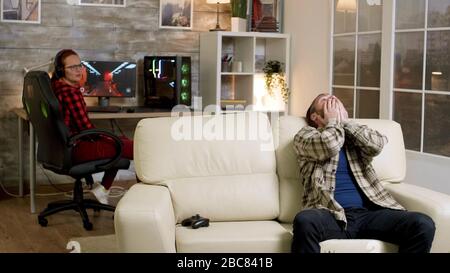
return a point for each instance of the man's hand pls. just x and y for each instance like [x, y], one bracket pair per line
[331, 110]
[342, 112]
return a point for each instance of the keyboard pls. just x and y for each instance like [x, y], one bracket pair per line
[104, 109]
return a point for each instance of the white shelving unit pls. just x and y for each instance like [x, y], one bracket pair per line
[223, 85]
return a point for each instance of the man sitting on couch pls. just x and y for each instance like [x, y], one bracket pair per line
[343, 199]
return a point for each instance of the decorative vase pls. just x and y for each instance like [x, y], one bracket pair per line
[238, 24]
[239, 15]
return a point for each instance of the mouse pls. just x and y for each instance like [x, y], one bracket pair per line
[130, 110]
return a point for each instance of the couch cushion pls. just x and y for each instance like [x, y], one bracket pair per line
[228, 237]
[226, 198]
[357, 246]
[390, 164]
[353, 245]
[291, 190]
[284, 131]
[221, 167]
[199, 146]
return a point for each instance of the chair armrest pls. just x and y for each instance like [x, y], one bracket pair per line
[144, 220]
[118, 143]
[434, 204]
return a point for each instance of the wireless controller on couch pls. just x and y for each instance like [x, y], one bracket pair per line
[195, 222]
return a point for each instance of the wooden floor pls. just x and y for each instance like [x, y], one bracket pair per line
[21, 233]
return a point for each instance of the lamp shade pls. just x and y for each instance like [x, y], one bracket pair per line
[217, 1]
[346, 5]
[14, 4]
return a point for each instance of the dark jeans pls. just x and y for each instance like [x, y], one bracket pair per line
[413, 232]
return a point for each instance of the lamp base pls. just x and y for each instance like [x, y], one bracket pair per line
[217, 28]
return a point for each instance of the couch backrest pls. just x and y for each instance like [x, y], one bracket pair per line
[222, 167]
[390, 165]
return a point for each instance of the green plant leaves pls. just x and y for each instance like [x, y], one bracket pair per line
[275, 78]
[239, 8]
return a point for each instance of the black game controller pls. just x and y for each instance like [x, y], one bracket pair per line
[195, 222]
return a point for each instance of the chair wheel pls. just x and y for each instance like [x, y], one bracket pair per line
[87, 226]
[42, 221]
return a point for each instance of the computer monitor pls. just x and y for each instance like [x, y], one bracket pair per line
[105, 79]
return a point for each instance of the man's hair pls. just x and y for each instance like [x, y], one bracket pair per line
[312, 109]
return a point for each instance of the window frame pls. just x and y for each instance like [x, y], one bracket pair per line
[423, 91]
[356, 34]
[387, 89]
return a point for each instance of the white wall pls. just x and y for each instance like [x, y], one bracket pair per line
[428, 171]
[308, 22]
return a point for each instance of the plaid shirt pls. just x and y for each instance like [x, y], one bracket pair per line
[318, 154]
[72, 106]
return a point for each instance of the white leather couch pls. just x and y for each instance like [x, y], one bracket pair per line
[249, 190]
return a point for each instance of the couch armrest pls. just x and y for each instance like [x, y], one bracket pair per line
[144, 220]
[434, 204]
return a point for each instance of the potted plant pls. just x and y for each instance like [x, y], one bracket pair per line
[239, 15]
[275, 78]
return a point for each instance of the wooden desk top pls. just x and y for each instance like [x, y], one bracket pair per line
[20, 112]
[101, 115]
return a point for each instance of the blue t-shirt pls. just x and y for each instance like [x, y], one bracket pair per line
[347, 192]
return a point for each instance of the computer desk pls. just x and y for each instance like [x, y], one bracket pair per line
[23, 117]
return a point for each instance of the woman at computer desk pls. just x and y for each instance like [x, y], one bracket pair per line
[66, 83]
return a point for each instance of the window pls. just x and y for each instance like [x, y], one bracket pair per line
[421, 95]
[357, 56]
[413, 88]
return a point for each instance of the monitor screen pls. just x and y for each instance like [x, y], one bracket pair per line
[109, 79]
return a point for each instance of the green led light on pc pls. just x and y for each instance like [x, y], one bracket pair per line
[184, 96]
[184, 68]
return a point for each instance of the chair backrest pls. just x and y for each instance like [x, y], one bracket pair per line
[390, 164]
[45, 115]
[222, 166]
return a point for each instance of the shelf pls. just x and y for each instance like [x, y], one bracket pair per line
[233, 104]
[236, 74]
[223, 84]
[237, 49]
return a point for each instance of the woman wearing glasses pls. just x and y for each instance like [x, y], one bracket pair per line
[67, 80]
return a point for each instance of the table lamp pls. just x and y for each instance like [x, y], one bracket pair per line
[49, 65]
[217, 2]
[346, 5]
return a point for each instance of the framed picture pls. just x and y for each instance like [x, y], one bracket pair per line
[104, 3]
[176, 14]
[266, 16]
[21, 11]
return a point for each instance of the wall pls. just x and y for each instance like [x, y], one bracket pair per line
[308, 22]
[102, 33]
[432, 172]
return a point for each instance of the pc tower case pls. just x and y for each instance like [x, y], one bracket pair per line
[167, 81]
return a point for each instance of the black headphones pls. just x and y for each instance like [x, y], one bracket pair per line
[58, 62]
